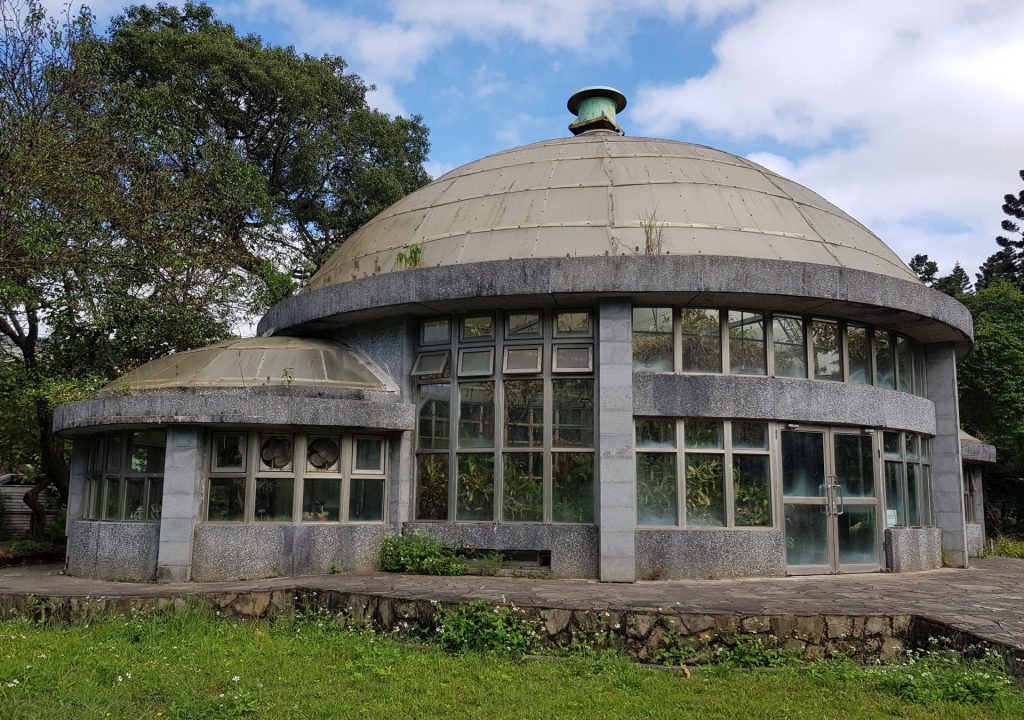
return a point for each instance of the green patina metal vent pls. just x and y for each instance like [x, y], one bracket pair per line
[595, 108]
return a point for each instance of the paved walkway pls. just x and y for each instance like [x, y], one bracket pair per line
[986, 600]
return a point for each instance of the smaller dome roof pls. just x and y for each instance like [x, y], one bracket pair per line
[254, 362]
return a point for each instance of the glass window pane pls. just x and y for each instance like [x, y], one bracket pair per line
[366, 499]
[855, 470]
[476, 415]
[910, 444]
[703, 434]
[652, 340]
[146, 453]
[904, 365]
[806, 535]
[276, 453]
[919, 371]
[97, 498]
[476, 362]
[855, 533]
[913, 494]
[523, 359]
[789, 346]
[803, 464]
[885, 375]
[572, 487]
[705, 491]
[112, 507]
[749, 435]
[656, 500]
[475, 490]
[573, 413]
[828, 360]
[894, 494]
[323, 454]
[746, 343]
[321, 500]
[892, 444]
[572, 359]
[274, 499]
[926, 496]
[478, 327]
[435, 332]
[96, 453]
[751, 476]
[926, 448]
[524, 413]
[227, 499]
[523, 499]
[522, 325]
[156, 498]
[859, 353]
[701, 340]
[431, 487]
[229, 452]
[369, 455]
[135, 499]
[433, 423]
[433, 363]
[113, 452]
[572, 323]
[655, 433]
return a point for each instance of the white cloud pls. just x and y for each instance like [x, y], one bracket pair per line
[906, 118]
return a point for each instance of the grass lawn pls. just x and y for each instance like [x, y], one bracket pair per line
[191, 666]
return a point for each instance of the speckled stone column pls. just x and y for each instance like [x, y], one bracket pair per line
[617, 467]
[182, 503]
[947, 482]
[76, 480]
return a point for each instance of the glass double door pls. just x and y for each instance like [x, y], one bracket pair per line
[830, 501]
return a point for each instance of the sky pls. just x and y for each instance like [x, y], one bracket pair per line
[908, 114]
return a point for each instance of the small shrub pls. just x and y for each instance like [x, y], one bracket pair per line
[1008, 547]
[752, 651]
[421, 554]
[480, 627]
[335, 569]
[947, 676]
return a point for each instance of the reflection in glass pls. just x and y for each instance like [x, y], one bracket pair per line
[856, 535]
[572, 487]
[433, 410]
[431, 487]
[476, 362]
[321, 500]
[858, 350]
[904, 364]
[894, 494]
[227, 499]
[572, 323]
[703, 434]
[705, 490]
[655, 433]
[112, 508]
[478, 327]
[752, 487]
[701, 340]
[476, 415]
[572, 359]
[827, 355]
[435, 332]
[854, 469]
[523, 488]
[790, 349]
[913, 516]
[521, 325]
[656, 500]
[806, 533]
[475, 488]
[573, 413]
[229, 451]
[884, 371]
[746, 343]
[749, 435]
[146, 451]
[366, 499]
[519, 359]
[652, 340]
[274, 499]
[369, 455]
[135, 499]
[524, 413]
[891, 444]
[803, 464]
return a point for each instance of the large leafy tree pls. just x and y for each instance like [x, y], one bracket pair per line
[161, 182]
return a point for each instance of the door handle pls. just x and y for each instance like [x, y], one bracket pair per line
[841, 505]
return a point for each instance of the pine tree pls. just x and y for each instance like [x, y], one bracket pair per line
[924, 268]
[1008, 263]
[957, 283]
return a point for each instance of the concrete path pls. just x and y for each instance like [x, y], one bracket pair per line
[986, 600]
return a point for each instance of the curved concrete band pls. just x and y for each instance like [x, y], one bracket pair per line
[786, 399]
[240, 406]
[920, 312]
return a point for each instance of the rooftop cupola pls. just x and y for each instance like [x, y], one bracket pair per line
[595, 108]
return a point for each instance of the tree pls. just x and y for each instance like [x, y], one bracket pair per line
[162, 182]
[925, 269]
[1008, 263]
[957, 283]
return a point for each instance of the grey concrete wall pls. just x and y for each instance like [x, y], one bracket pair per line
[574, 548]
[908, 549]
[79, 472]
[113, 550]
[616, 494]
[785, 399]
[947, 481]
[184, 484]
[975, 540]
[673, 554]
[258, 550]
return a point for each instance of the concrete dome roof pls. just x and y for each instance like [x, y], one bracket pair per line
[593, 195]
[254, 362]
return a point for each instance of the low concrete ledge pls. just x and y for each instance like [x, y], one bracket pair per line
[359, 409]
[908, 549]
[924, 314]
[113, 550]
[676, 554]
[787, 399]
[975, 540]
[574, 548]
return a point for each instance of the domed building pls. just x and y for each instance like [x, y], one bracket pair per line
[602, 356]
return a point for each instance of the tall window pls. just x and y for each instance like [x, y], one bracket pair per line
[126, 476]
[908, 480]
[512, 440]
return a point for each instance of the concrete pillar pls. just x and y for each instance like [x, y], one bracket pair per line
[616, 463]
[79, 473]
[947, 480]
[184, 483]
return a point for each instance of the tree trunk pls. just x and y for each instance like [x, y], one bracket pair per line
[37, 528]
